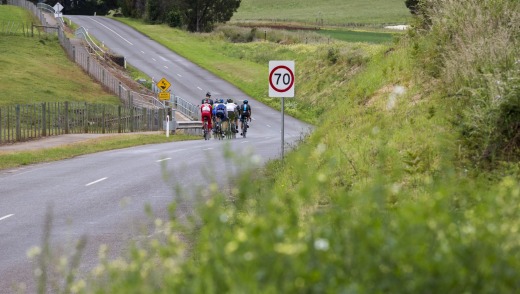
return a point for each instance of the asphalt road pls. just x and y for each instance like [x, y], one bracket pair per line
[103, 196]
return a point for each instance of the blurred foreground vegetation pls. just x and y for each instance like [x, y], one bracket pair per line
[409, 184]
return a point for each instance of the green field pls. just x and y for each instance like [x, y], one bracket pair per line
[338, 12]
[357, 36]
[36, 69]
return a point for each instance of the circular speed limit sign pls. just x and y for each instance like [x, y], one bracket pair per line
[281, 78]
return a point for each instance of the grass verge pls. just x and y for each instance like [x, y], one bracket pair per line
[21, 158]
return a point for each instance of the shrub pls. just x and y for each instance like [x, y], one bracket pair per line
[471, 47]
[174, 19]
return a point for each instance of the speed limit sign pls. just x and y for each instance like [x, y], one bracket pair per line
[281, 78]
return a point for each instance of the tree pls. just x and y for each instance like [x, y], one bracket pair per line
[201, 15]
[413, 5]
[152, 11]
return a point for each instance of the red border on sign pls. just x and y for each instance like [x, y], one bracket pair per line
[271, 81]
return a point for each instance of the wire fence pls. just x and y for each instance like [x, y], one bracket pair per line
[15, 28]
[32, 121]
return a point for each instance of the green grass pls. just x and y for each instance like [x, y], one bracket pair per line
[358, 36]
[34, 70]
[11, 159]
[14, 13]
[331, 11]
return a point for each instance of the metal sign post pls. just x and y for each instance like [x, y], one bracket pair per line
[167, 126]
[283, 119]
[281, 84]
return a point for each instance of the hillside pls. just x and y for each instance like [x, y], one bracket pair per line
[36, 69]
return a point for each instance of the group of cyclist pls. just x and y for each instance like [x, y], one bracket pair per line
[220, 111]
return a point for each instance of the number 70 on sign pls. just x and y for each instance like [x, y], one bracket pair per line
[281, 79]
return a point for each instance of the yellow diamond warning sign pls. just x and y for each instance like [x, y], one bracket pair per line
[163, 84]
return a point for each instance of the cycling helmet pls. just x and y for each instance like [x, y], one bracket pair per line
[230, 100]
[245, 101]
[208, 94]
[221, 100]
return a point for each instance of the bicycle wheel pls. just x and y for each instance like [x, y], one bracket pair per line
[244, 128]
[206, 132]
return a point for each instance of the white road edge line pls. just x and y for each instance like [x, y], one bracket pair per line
[268, 125]
[199, 88]
[207, 149]
[92, 183]
[154, 59]
[142, 51]
[244, 142]
[165, 67]
[178, 150]
[179, 75]
[112, 31]
[160, 160]
[4, 217]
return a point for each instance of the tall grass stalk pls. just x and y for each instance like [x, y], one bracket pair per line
[472, 48]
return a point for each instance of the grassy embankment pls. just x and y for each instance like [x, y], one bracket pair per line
[382, 197]
[35, 70]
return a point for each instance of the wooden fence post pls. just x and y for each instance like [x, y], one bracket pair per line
[18, 127]
[119, 91]
[119, 120]
[131, 119]
[44, 121]
[85, 118]
[66, 117]
[103, 130]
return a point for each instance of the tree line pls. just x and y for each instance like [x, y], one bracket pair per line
[193, 15]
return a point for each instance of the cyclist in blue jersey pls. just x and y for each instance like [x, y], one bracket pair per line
[220, 111]
[245, 113]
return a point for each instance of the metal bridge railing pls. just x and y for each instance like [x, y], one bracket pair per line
[83, 34]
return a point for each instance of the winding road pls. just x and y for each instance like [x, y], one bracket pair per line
[103, 196]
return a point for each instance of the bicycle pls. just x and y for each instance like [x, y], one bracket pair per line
[234, 130]
[245, 126]
[218, 130]
[205, 127]
[229, 130]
